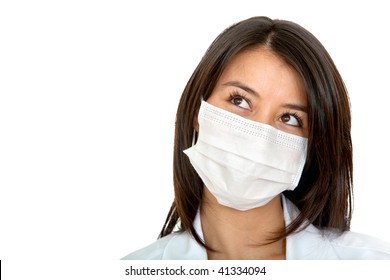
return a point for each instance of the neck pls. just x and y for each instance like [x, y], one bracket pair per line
[235, 234]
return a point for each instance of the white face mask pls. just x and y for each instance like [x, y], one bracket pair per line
[244, 163]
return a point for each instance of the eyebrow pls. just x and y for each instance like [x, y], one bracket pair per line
[248, 89]
[242, 86]
[295, 107]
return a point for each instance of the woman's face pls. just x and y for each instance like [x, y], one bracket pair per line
[260, 86]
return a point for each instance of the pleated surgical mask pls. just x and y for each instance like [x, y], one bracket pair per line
[244, 163]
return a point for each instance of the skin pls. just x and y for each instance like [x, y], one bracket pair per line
[260, 86]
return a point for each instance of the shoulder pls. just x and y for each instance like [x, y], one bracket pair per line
[175, 246]
[353, 245]
[153, 251]
[313, 243]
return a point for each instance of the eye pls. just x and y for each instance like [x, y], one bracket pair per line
[240, 101]
[291, 119]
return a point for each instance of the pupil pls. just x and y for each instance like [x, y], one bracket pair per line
[237, 101]
[286, 118]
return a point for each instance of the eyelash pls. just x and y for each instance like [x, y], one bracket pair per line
[236, 94]
[295, 115]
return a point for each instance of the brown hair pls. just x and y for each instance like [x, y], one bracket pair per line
[324, 193]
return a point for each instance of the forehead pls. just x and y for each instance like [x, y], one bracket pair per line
[258, 61]
[265, 71]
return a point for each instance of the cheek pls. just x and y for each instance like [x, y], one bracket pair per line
[220, 98]
[214, 99]
[195, 124]
[305, 131]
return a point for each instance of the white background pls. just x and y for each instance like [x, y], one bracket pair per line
[89, 91]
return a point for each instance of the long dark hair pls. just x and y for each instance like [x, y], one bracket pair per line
[324, 193]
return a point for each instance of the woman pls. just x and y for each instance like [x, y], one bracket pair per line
[263, 154]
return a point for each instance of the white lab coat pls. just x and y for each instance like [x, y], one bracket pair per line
[311, 243]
